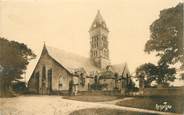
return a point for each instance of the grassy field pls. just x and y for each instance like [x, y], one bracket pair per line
[177, 103]
[106, 111]
[92, 98]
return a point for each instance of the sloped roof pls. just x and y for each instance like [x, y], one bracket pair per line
[71, 61]
[120, 68]
[99, 17]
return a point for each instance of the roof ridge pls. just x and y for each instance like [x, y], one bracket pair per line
[64, 51]
[70, 61]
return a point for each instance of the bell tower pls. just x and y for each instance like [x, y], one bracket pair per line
[99, 52]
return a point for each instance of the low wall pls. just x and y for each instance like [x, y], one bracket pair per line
[163, 91]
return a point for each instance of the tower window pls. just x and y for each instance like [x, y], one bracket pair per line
[95, 53]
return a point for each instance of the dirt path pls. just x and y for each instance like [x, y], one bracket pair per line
[51, 105]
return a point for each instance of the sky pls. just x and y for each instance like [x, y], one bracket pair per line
[64, 24]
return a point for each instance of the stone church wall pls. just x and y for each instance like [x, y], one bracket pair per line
[31, 85]
[59, 76]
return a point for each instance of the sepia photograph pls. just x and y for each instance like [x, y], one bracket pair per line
[91, 57]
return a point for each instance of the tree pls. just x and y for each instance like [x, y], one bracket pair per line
[130, 84]
[166, 41]
[161, 74]
[149, 71]
[167, 36]
[14, 58]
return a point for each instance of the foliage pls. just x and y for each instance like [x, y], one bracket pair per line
[97, 86]
[14, 57]
[167, 36]
[19, 87]
[166, 41]
[161, 73]
[130, 84]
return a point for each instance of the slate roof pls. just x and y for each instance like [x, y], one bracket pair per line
[71, 61]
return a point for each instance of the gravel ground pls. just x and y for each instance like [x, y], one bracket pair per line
[51, 105]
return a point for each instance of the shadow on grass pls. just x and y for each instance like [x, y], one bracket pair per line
[177, 103]
[89, 98]
[106, 111]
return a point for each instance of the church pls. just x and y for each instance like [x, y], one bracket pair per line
[56, 68]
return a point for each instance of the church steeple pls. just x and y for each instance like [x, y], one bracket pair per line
[99, 52]
[98, 22]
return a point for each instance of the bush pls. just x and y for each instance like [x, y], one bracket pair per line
[98, 86]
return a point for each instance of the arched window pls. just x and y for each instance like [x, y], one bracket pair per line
[43, 73]
[37, 77]
[94, 53]
[49, 74]
[43, 77]
[61, 82]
